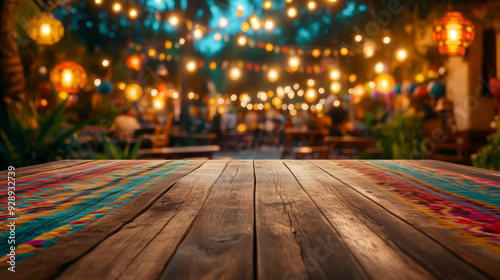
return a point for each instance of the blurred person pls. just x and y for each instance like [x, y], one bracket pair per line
[230, 121]
[338, 115]
[125, 125]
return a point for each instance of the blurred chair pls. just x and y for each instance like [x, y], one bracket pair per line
[161, 136]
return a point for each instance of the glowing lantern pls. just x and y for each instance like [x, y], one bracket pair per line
[45, 29]
[133, 92]
[311, 95]
[158, 102]
[358, 93]
[384, 83]
[134, 62]
[235, 74]
[272, 75]
[294, 63]
[277, 102]
[292, 12]
[267, 5]
[453, 34]
[335, 87]
[241, 127]
[68, 76]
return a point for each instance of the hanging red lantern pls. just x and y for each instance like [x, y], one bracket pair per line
[453, 34]
[68, 76]
[134, 62]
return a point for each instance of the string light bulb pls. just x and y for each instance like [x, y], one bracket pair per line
[291, 12]
[242, 40]
[294, 62]
[267, 5]
[335, 74]
[223, 22]
[335, 87]
[386, 40]
[105, 62]
[198, 33]
[272, 75]
[191, 66]
[235, 74]
[401, 55]
[311, 5]
[132, 13]
[98, 2]
[268, 25]
[344, 51]
[173, 20]
[117, 7]
[379, 68]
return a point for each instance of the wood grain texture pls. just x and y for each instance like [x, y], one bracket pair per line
[51, 261]
[402, 227]
[294, 240]
[120, 251]
[378, 255]
[220, 242]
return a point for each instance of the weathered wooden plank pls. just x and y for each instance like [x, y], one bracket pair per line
[53, 260]
[172, 214]
[220, 242]
[380, 258]
[294, 240]
[431, 249]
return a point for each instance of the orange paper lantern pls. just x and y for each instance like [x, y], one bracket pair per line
[384, 83]
[68, 76]
[134, 62]
[453, 34]
[45, 29]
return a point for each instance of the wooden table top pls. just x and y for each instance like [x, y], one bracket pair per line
[278, 219]
[165, 151]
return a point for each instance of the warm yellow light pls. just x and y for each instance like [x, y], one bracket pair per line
[344, 51]
[335, 87]
[401, 55]
[242, 40]
[316, 53]
[121, 86]
[269, 47]
[267, 5]
[175, 95]
[63, 95]
[332, 1]
[335, 74]
[255, 25]
[311, 95]
[105, 62]
[132, 13]
[97, 82]
[198, 33]
[158, 1]
[217, 37]
[379, 67]
[336, 103]
[241, 127]
[268, 25]
[292, 12]
[294, 62]
[272, 75]
[43, 102]
[358, 38]
[311, 83]
[420, 78]
[45, 29]
[311, 5]
[223, 22]
[158, 102]
[182, 41]
[213, 65]
[191, 66]
[173, 20]
[67, 78]
[235, 73]
[168, 44]
[190, 95]
[245, 26]
[154, 92]
[240, 9]
[386, 40]
[98, 2]
[288, 1]
[133, 92]
[117, 7]
[353, 78]
[384, 83]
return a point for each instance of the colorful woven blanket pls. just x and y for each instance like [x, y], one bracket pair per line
[466, 205]
[59, 201]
